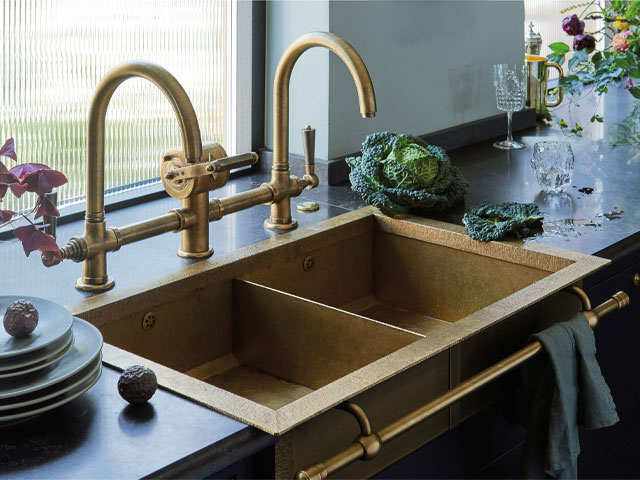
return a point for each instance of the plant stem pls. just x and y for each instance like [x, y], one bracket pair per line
[587, 7]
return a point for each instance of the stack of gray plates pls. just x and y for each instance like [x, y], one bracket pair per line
[59, 361]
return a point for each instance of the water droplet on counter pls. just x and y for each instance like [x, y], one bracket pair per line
[568, 227]
[614, 214]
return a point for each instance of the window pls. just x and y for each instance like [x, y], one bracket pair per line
[55, 52]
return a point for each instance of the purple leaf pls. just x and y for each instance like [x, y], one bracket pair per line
[33, 239]
[44, 206]
[8, 150]
[6, 215]
[25, 169]
[43, 181]
[17, 189]
[8, 178]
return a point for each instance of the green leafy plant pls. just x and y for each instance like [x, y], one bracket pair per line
[618, 65]
[402, 173]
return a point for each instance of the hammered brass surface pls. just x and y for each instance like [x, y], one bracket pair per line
[305, 342]
[260, 346]
[441, 282]
[256, 336]
[399, 280]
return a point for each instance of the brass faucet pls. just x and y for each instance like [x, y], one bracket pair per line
[287, 185]
[189, 174]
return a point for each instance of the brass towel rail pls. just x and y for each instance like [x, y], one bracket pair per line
[369, 443]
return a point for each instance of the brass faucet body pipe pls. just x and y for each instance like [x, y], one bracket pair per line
[218, 208]
[97, 237]
[365, 445]
[173, 221]
[284, 185]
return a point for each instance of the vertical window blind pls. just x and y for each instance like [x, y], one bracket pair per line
[55, 52]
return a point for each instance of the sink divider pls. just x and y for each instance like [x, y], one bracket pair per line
[303, 341]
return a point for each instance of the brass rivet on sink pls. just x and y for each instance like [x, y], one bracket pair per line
[636, 279]
[148, 321]
[308, 262]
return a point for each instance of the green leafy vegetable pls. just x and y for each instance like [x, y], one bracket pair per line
[402, 173]
[493, 222]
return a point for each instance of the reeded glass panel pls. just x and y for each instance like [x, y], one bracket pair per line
[55, 52]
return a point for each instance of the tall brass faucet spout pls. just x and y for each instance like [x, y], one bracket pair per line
[97, 239]
[284, 185]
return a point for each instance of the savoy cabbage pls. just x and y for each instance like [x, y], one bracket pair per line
[398, 173]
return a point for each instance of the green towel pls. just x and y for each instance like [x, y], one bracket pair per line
[561, 390]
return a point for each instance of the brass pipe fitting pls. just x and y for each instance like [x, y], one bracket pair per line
[218, 208]
[355, 410]
[581, 294]
[280, 179]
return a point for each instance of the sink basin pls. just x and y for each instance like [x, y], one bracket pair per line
[403, 274]
[283, 347]
[277, 333]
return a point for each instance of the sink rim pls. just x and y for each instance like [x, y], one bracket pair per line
[95, 309]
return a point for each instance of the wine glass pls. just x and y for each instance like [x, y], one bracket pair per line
[510, 81]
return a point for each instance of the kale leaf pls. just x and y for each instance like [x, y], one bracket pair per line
[493, 222]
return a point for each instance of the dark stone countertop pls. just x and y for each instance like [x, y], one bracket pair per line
[97, 435]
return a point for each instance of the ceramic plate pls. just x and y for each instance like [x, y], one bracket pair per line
[24, 412]
[53, 391]
[54, 321]
[45, 362]
[86, 346]
[38, 356]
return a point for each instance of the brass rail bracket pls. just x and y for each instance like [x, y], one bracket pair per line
[370, 441]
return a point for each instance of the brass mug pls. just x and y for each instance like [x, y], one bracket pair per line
[537, 82]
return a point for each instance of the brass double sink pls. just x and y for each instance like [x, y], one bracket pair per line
[276, 333]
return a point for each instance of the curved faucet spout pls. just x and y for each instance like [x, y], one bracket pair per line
[347, 54]
[283, 185]
[97, 239]
[186, 115]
